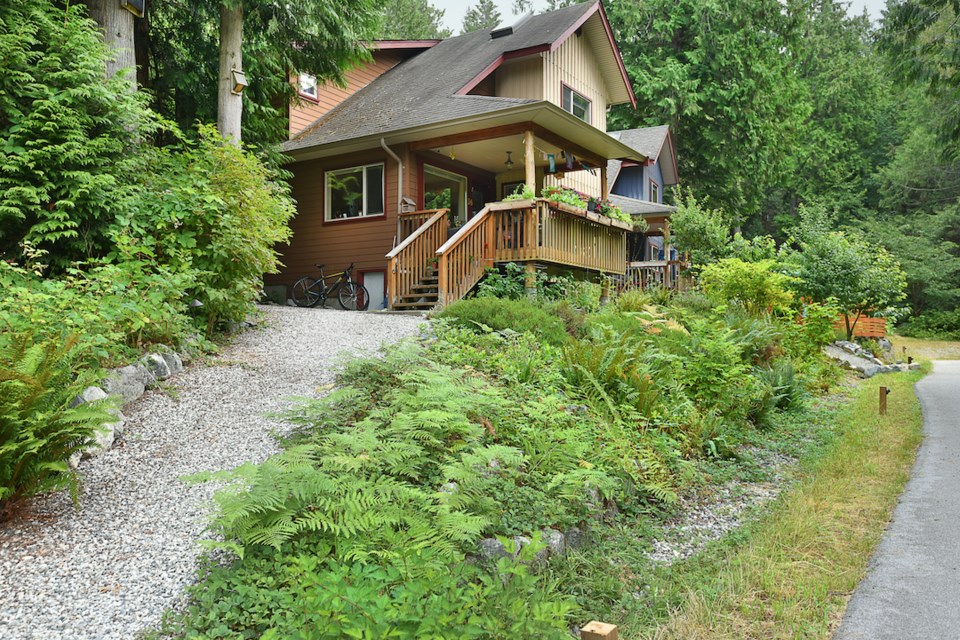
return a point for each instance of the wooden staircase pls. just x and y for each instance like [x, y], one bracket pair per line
[422, 296]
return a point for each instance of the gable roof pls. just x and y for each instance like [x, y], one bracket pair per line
[652, 142]
[429, 87]
[640, 207]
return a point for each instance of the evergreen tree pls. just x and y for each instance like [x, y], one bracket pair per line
[482, 16]
[412, 20]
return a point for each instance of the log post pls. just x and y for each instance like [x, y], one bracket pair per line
[230, 104]
[530, 279]
[604, 190]
[529, 160]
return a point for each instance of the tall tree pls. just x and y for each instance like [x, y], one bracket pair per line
[412, 20]
[320, 37]
[716, 72]
[484, 15]
[116, 25]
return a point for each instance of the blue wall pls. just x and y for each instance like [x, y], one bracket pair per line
[634, 182]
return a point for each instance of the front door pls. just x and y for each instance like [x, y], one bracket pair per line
[444, 189]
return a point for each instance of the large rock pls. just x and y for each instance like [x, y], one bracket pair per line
[174, 363]
[129, 382]
[555, 541]
[492, 549]
[869, 371]
[157, 365]
[90, 394]
[574, 538]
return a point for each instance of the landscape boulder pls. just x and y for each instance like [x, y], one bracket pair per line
[128, 382]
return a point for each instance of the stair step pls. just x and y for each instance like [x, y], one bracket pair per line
[426, 299]
[424, 286]
[430, 279]
[414, 305]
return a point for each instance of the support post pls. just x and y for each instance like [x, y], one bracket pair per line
[530, 280]
[442, 281]
[883, 400]
[605, 291]
[667, 275]
[604, 191]
[529, 160]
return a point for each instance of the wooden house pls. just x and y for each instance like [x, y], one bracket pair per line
[458, 125]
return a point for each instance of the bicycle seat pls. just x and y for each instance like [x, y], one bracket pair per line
[319, 266]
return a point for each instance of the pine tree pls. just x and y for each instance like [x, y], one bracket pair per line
[412, 20]
[482, 16]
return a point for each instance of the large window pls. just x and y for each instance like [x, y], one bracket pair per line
[355, 192]
[308, 86]
[576, 103]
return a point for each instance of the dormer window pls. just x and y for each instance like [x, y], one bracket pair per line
[576, 103]
[308, 86]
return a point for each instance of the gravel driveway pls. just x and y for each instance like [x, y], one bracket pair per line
[112, 568]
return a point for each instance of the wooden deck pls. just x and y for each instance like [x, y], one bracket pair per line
[523, 231]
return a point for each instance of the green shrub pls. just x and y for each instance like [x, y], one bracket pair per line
[633, 300]
[39, 429]
[781, 390]
[500, 314]
[753, 285]
[944, 325]
[211, 209]
[69, 135]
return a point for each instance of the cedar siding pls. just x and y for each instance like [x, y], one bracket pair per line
[330, 95]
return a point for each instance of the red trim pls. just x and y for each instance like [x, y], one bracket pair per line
[337, 221]
[629, 163]
[383, 45]
[613, 43]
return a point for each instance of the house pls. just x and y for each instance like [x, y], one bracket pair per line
[406, 167]
[637, 188]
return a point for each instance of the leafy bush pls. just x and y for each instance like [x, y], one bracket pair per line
[39, 429]
[515, 315]
[754, 285]
[211, 209]
[933, 324]
[69, 135]
[567, 196]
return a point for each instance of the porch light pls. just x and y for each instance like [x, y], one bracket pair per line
[509, 162]
[239, 81]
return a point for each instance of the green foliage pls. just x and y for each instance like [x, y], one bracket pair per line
[67, 135]
[484, 15]
[500, 314]
[39, 427]
[94, 303]
[523, 192]
[754, 285]
[703, 233]
[844, 268]
[412, 20]
[216, 211]
[557, 195]
[933, 324]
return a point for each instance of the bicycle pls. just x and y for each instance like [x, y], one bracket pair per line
[352, 296]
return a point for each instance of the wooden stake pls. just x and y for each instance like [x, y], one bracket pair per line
[883, 400]
[599, 631]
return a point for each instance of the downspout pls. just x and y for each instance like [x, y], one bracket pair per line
[383, 143]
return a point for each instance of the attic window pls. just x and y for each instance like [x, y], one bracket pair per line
[576, 103]
[307, 86]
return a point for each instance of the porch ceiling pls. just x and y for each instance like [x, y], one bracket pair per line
[491, 155]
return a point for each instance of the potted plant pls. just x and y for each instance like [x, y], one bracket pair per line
[432, 266]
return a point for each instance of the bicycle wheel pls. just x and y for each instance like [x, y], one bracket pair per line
[353, 297]
[306, 292]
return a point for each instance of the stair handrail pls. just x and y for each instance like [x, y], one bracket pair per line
[440, 213]
[476, 224]
[401, 278]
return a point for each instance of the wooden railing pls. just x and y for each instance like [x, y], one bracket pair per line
[463, 259]
[655, 273]
[527, 231]
[408, 262]
[410, 221]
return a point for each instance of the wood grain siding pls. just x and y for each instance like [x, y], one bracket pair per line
[363, 241]
[330, 95]
[573, 63]
[521, 78]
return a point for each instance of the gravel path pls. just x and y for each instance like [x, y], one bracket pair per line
[112, 568]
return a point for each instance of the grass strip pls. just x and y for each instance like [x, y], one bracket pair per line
[793, 575]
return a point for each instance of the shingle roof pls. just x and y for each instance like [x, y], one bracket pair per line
[640, 207]
[647, 140]
[422, 90]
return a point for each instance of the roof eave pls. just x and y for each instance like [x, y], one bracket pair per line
[545, 114]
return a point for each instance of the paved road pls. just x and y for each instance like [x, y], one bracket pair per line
[912, 588]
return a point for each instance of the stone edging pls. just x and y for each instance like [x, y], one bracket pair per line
[127, 384]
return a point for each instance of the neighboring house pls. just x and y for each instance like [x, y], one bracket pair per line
[637, 188]
[460, 124]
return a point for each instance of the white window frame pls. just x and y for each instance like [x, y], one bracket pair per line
[364, 213]
[564, 89]
[307, 86]
[654, 187]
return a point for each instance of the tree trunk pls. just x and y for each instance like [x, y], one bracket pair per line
[229, 104]
[116, 23]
